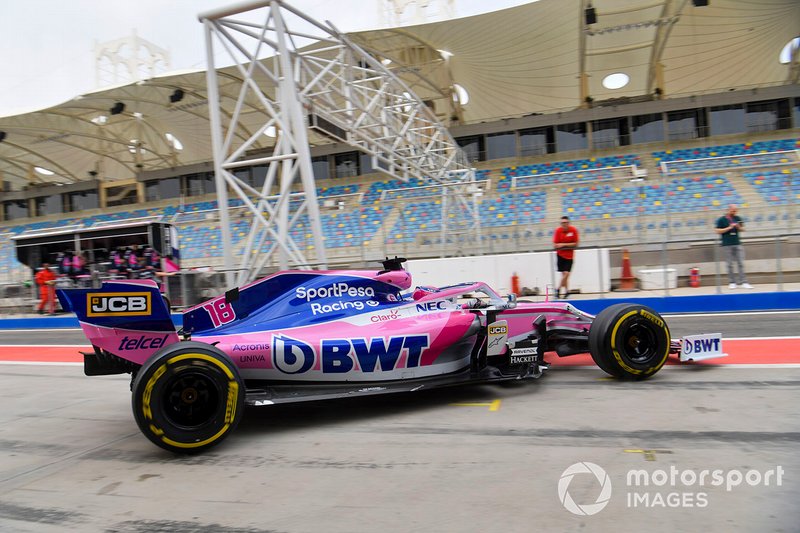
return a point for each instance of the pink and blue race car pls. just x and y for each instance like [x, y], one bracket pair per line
[311, 335]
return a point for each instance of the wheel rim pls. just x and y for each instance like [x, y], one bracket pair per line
[641, 343]
[191, 399]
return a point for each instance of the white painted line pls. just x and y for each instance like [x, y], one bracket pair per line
[665, 367]
[760, 338]
[704, 365]
[40, 363]
[45, 345]
[757, 365]
[32, 330]
[729, 313]
[724, 338]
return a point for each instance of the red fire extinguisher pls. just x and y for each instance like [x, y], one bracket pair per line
[515, 284]
[694, 277]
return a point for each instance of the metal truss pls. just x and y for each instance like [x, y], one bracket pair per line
[313, 84]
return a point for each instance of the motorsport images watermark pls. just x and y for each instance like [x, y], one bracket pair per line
[671, 488]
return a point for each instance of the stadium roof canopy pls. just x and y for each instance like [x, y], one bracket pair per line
[535, 58]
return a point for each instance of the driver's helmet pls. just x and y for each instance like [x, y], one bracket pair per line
[422, 291]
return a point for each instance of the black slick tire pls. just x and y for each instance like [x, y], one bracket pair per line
[188, 397]
[629, 341]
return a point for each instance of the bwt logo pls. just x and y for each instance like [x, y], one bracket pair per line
[292, 356]
[700, 346]
[118, 304]
[340, 356]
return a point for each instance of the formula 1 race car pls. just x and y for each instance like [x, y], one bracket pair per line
[310, 335]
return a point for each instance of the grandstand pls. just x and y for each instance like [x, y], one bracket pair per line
[614, 199]
[629, 167]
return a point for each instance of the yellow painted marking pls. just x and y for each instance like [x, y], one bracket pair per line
[493, 406]
[649, 455]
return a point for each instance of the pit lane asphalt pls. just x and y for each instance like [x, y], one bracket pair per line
[72, 458]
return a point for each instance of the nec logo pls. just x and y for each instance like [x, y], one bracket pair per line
[118, 304]
[431, 306]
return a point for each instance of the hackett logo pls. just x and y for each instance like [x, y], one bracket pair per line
[118, 304]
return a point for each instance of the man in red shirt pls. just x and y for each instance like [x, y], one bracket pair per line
[565, 240]
[46, 281]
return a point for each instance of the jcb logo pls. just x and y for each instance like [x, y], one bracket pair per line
[498, 330]
[118, 304]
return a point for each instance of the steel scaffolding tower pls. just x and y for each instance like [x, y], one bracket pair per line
[307, 82]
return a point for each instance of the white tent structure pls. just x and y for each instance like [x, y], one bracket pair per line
[540, 57]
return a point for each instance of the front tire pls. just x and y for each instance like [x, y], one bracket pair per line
[629, 341]
[188, 397]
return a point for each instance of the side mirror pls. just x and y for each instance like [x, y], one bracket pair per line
[512, 301]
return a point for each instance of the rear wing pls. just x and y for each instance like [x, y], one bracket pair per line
[127, 318]
[129, 304]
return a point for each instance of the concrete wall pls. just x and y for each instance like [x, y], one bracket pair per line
[762, 259]
[590, 273]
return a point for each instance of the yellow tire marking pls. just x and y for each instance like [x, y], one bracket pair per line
[148, 391]
[617, 355]
[230, 406]
[204, 357]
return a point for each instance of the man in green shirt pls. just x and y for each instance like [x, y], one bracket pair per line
[729, 226]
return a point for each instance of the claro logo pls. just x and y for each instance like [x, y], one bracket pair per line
[118, 304]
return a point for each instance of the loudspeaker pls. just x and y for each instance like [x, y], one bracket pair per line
[591, 15]
[117, 109]
[176, 96]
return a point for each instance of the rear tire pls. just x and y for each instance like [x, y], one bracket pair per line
[629, 341]
[188, 397]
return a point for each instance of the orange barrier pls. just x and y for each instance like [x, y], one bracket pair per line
[627, 282]
[694, 277]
